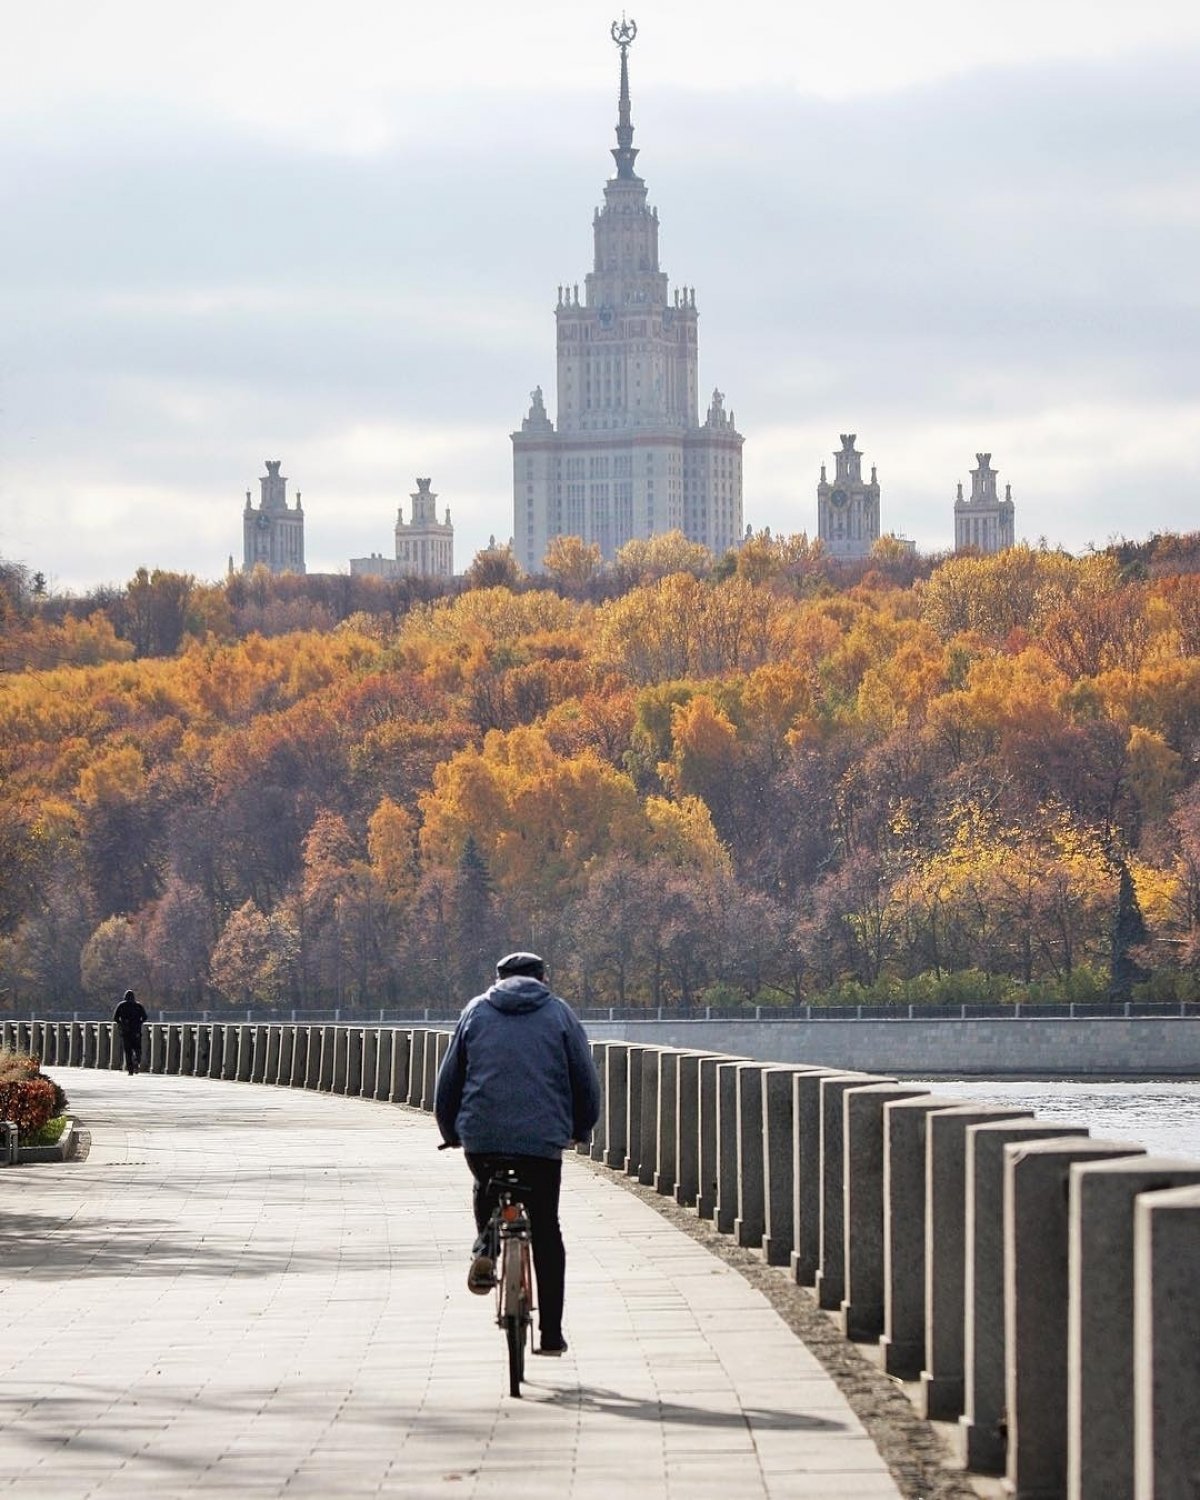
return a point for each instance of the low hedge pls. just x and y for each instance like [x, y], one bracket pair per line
[27, 1097]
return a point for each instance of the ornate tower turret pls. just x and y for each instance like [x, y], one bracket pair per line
[848, 509]
[984, 523]
[273, 535]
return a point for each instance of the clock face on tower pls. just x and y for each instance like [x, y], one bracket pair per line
[838, 498]
[606, 316]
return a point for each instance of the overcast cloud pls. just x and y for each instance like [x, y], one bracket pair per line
[334, 240]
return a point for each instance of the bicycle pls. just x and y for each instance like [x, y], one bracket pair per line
[507, 1240]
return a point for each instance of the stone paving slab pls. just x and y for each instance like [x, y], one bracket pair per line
[254, 1292]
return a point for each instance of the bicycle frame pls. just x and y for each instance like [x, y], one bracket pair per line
[514, 1279]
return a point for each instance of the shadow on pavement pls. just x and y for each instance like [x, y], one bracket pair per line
[49, 1248]
[676, 1414]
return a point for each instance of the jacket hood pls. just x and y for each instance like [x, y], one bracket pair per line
[517, 995]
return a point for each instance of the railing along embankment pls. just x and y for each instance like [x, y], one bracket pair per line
[1036, 1285]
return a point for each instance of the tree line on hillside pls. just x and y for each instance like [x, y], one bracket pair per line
[762, 778]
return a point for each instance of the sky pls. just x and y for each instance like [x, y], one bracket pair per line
[333, 235]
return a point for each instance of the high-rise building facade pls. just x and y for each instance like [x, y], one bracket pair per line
[424, 545]
[273, 533]
[629, 456]
[848, 508]
[984, 523]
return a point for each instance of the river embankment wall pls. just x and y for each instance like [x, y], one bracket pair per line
[1087, 1047]
[1034, 1286]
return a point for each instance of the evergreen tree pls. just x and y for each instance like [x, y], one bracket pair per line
[475, 924]
[1128, 933]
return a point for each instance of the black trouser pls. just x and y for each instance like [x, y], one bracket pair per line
[542, 1177]
[132, 1044]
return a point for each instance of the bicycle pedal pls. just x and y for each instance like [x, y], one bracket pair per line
[481, 1278]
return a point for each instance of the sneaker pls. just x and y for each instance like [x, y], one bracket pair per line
[552, 1348]
[481, 1278]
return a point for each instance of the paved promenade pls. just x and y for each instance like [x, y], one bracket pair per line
[249, 1292]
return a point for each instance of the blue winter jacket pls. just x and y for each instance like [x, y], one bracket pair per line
[518, 1078]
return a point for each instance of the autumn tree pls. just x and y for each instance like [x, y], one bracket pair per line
[494, 567]
[254, 960]
[573, 564]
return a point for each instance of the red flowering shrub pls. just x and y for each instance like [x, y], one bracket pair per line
[15, 1066]
[29, 1105]
[27, 1098]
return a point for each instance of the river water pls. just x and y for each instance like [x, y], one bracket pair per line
[1163, 1117]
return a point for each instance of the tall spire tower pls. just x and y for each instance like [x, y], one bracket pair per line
[624, 152]
[629, 456]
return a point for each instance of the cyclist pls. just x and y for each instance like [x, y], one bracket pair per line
[518, 1084]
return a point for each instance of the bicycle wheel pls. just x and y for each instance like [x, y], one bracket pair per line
[514, 1309]
[514, 1332]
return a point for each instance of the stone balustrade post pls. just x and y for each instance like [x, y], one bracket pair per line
[416, 1072]
[598, 1143]
[286, 1063]
[981, 1426]
[204, 1043]
[905, 1126]
[368, 1067]
[327, 1059]
[273, 1052]
[1036, 1182]
[352, 1083]
[666, 1152]
[441, 1045]
[806, 1151]
[633, 1112]
[779, 1166]
[616, 1105]
[830, 1280]
[341, 1059]
[751, 1222]
[240, 1064]
[1166, 1343]
[687, 1129]
[1100, 1319]
[945, 1253]
[219, 1043]
[708, 1108]
[153, 1052]
[726, 1213]
[433, 1057]
[75, 1045]
[401, 1064]
[301, 1056]
[647, 1165]
[258, 1053]
[863, 1229]
[187, 1050]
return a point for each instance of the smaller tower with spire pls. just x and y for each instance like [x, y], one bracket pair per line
[273, 533]
[424, 545]
[984, 522]
[848, 509]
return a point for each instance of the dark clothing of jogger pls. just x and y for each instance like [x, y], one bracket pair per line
[542, 1177]
[130, 1017]
[131, 1046]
